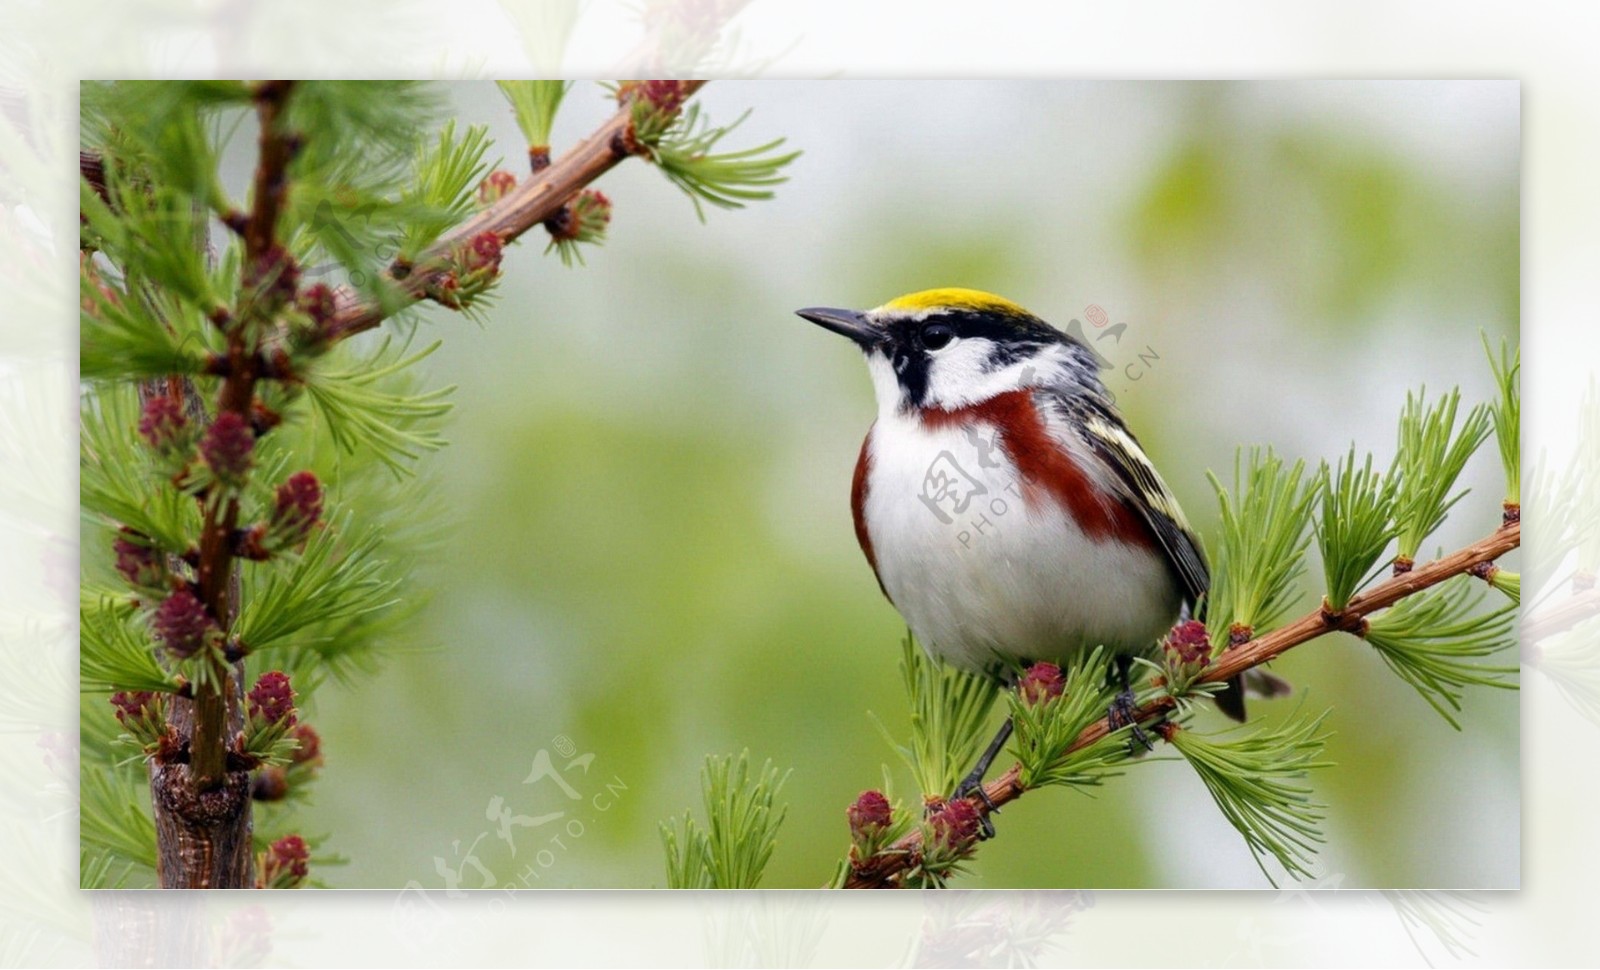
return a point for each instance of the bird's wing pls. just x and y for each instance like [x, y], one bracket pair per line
[1111, 442]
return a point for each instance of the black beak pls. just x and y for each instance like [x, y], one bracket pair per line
[848, 323]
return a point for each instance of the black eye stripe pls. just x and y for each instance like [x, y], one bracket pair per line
[999, 328]
[1004, 355]
[906, 346]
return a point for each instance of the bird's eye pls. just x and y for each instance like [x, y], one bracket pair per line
[937, 336]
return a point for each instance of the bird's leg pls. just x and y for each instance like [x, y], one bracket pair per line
[972, 785]
[1122, 711]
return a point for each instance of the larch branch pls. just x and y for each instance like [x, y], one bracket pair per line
[884, 869]
[215, 571]
[529, 205]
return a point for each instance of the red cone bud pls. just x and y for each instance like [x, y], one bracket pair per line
[285, 863]
[182, 624]
[310, 750]
[296, 509]
[275, 271]
[584, 220]
[594, 200]
[496, 186]
[665, 96]
[227, 447]
[142, 566]
[1188, 643]
[446, 291]
[317, 302]
[133, 705]
[163, 425]
[654, 106]
[143, 715]
[270, 784]
[955, 826]
[271, 700]
[475, 265]
[1039, 683]
[483, 253]
[869, 815]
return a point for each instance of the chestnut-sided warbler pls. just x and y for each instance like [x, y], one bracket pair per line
[1009, 514]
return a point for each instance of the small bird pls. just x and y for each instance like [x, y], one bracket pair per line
[1007, 511]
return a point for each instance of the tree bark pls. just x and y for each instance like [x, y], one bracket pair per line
[203, 835]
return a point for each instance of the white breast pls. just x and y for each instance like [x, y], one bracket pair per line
[979, 575]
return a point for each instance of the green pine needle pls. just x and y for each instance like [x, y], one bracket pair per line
[1449, 917]
[1263, 545]
[119, 339]
[1429, 639]
[373, 179]
[336, 579]
[1509, 583]
[1571, 660]
[1257, 781]
[740, 832]
[727, 180]
[685, 845]
[156, 235]
[1430, 458]
[1044, 732]
[360, 134]
[162, 130]
[114, 823]
[368, 406]
[1507, 414]
[543, 29]
[1355, 525]
[535, 104]
[98, 869]
[444, 190]
[949, 719]
[585, 222]
[116, 475]
[1559, 517]
[115, 653]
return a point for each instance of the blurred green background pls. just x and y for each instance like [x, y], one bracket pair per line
[645, 548]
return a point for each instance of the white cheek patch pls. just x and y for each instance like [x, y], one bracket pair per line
[958, 376]
[885, 385]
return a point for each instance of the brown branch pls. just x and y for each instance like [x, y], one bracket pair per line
[275, 149]
[529, 205]
[1561, 617]
[215, 573]
[93, 169]
[203, 836]
[884, 870]
[202, 807]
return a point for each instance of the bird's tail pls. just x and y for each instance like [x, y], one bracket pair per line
[1261, 683]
